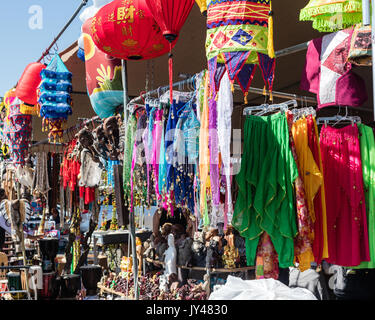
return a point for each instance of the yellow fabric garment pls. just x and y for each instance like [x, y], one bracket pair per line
[204, 152]
[323, 197]
[312, 180]
[311, 175]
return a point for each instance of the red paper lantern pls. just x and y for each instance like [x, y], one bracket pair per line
[170, 15]
[126, 29]
[27, 85]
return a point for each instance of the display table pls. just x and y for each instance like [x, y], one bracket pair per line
[103, 238]
[112, 292]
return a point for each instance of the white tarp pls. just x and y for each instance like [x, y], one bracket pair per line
[262, 289]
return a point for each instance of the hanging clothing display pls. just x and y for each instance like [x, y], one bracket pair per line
[155, 156]
[224, 124]
[347, 230]
[320, 245]
[185, 155]
[204, 156]
[328, 73]
[332, 15]
[131, 128]
[266, 261]
[367, 145]
[304, 240]
[265, 200]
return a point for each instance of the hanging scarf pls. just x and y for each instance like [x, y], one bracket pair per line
[225, 109]
[307, 185]
[332, 15]
[131, 128]
[185, 155]
[157, 138]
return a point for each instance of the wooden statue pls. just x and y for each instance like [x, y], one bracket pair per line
[111, 128]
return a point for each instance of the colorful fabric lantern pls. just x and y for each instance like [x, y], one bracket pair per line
[26, 89]
[332, 15]
[103, 77]
[17, 129]
[127, 30]
[240, 37]
[202, 4]
[54, 97]
[170, 16]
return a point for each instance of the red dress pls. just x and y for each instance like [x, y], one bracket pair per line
[345, 200]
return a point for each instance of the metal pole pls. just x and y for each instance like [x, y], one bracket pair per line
[131, 218]
[373, 54]
[366, 12]
[292, 49]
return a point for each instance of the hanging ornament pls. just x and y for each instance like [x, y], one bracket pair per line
[332, 15]
[26, 89]
[127, 30]
[239, 34]
[170, 16]
[54, 98]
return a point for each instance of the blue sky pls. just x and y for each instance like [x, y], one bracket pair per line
[21, 45]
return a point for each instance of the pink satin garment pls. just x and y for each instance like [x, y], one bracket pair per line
[156, 136]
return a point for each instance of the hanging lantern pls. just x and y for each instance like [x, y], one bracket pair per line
[239, 39]
[202, 4]
[17, 129]
[127, 30]
[26, 89]
[54, 97]
[332, 15]
[170, 16]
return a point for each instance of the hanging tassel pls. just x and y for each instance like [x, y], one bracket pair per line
[170, 74]
[271, 96]
[245, 98]
[270, 46]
